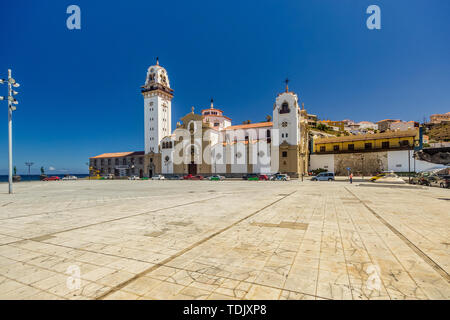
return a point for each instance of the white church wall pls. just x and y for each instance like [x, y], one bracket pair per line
[167, 166]
[260, 157]
[219, 161]
[240, 158]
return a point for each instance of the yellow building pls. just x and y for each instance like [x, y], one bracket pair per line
[337, 124]
[367, 142]
[365, 154]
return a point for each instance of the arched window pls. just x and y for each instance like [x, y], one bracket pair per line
[284, 108]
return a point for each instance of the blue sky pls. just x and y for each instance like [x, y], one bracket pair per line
[80, 89]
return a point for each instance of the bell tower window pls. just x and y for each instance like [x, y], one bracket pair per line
[284, 108]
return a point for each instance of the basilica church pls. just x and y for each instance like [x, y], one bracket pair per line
[208, 143]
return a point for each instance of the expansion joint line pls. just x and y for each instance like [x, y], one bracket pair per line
[169, 259]
[408, 242]
[114, 220]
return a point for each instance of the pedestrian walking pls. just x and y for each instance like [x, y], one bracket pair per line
[351, 178]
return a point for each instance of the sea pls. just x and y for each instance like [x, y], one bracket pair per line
[36, 177]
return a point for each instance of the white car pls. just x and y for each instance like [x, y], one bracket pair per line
[69, 178]
[134, 178]
[216, 178]
[158, 177]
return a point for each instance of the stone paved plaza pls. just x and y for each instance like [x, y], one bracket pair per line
[223, 240]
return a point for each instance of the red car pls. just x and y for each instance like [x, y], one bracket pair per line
[54, 178]
[191, 177]
[263, 177]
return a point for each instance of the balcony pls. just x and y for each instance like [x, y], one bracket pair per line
[156, 86]
[363, 150]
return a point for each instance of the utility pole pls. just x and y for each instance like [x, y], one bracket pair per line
[11, 101]
[29, 164]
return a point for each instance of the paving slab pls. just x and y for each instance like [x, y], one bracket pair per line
[223, 240]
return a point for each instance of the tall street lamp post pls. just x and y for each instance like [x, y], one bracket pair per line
[11, 102]
[29, 164]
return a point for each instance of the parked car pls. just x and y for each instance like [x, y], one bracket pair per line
[69, 178]
[282, 177]
[53, 178]
[192, 177]
[423, 178]
[158, 177]
[437, 181]
[251, 177]
[419, 179]
[134, 178]
[174, 178]
[433, 181]
[264, 177]
[273, 177]
[445, 181]
[109, 176]
[378, 176]
[216, 178]
[324, 176]
[429, 180]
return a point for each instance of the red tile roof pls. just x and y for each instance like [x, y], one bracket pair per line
[119, 154]
[250, 126]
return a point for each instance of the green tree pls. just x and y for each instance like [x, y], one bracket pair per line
[322, 127]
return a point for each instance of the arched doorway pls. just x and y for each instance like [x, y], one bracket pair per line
[151, 170]
[141, 173]
[192, 169]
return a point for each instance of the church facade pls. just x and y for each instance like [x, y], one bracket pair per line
[207, 142]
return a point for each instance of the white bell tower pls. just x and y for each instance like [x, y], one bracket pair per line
[157, 107]
[286, 117]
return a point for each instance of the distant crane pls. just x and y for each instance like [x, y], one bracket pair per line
[29, 164]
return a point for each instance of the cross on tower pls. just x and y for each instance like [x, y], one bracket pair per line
[287, 82]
